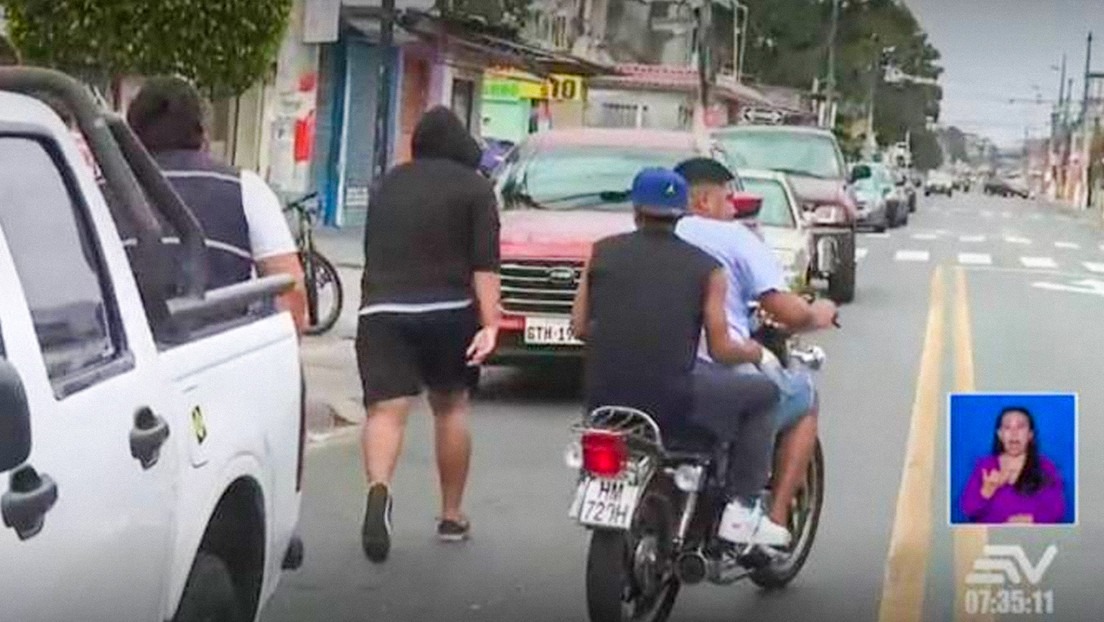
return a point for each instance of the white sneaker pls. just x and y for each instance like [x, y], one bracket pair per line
[743, 525]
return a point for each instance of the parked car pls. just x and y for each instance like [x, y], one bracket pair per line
[874, 179]
[782, 225]
[494, 152]
[812, 160]
[1006, 187]
[870, 197]
[939, 182]
[151, 432]
[905, 185]
[560, 191]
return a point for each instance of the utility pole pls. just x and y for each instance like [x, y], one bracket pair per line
[830, 99]
[705, 73]
[1088, 70]
[386, 79]
[1061, 93]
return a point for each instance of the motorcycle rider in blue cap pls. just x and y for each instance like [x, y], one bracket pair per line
[643, 302]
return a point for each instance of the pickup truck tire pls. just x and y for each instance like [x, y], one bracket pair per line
[841, 283]
[209, 594]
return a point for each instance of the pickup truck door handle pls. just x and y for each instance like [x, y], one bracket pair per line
[30, 495]
[147, 436]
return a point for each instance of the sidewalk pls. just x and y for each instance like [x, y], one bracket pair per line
[329, 361]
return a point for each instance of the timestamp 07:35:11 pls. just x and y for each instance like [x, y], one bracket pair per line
[1024, 602]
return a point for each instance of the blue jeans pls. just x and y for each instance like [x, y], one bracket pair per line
[796, 389]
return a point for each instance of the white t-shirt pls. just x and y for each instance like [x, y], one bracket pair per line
[269, 234]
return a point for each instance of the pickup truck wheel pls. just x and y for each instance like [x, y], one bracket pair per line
[209, 593]
[841, 283]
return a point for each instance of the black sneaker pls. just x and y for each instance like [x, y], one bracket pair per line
[453, 530]
[375, 535]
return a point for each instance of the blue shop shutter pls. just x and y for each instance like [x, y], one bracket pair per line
[364, 63]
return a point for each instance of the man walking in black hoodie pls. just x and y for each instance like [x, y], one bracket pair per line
[429, 313]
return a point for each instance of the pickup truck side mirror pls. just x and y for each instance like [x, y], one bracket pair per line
[886, 191]
[15, 419]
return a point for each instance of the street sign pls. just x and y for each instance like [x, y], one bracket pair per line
[762, 116]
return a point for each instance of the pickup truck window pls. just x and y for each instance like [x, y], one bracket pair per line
[58, 262]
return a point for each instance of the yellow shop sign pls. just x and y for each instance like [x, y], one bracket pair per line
[563, 87]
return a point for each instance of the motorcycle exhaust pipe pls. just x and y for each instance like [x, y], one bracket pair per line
[691, 568]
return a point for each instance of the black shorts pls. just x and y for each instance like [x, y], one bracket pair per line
[400, 354]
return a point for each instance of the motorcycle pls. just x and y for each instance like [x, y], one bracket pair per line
[653, 506]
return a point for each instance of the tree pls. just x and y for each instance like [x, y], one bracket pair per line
[225, 47]
[509, 14]
[788, 45]
[926, 152]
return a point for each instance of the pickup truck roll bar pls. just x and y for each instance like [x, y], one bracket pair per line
[121, 157]
[131, 175]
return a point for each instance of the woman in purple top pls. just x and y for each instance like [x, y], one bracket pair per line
[1015, 484]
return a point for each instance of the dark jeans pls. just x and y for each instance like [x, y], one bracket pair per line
[738, 409]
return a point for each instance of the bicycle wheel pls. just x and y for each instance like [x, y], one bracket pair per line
[325, 296]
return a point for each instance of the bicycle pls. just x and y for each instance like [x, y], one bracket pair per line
[325, 294]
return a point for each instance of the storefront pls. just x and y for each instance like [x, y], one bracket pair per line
[516, 104]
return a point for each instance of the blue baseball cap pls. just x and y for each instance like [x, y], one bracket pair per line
[660, 192]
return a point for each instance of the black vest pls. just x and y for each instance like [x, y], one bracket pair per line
[646, 305]
[213, 192]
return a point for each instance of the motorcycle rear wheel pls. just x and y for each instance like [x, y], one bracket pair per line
[804, 520]
[612, 590]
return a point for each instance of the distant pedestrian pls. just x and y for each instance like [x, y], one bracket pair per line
[429, 313]
[241, 216]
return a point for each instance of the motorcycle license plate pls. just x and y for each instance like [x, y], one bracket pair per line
[607, 503]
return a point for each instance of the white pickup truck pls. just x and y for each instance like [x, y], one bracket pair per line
[151, 431]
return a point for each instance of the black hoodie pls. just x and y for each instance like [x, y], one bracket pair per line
[431, 221]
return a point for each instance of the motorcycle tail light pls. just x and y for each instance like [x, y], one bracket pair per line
[604, 453]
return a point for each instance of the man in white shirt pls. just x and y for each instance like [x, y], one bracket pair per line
[241, 216]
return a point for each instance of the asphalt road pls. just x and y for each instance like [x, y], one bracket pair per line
[950, 302]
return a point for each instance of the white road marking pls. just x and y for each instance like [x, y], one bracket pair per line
[1069, 245]
[986, 213]
[1093, 266]
[1102, 247]
[881, 236]
[971, 238]
[1084, 286]
[975, 259]
[906, 255]
[1038, 262]
[1014, 239]
[861, 252]
[1036, 217]
[924, 236]
[1007, 214]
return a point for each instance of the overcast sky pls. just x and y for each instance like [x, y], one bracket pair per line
[996, 50]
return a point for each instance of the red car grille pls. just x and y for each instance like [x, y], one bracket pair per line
[540, 286]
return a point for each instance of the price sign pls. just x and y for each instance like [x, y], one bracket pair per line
[564, 88]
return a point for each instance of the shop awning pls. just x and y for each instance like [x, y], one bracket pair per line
[678, 79]
[499, 49]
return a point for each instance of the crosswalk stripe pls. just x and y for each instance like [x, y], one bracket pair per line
[906, 255]
[986, 213]
[1093, 266]
[975, 259]
[1036, 216]
[881, 236]
[924, 236]
[971, 238]
[861, 252]
[1038, 262]
[1069, 245]
[1012, 239]
[1006, 214]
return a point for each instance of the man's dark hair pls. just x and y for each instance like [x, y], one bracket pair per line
[703, 170]
[168, 114]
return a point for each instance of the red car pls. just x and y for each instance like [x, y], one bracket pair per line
[561, 191]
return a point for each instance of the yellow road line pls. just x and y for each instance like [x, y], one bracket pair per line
[907, 563]
[969, 541]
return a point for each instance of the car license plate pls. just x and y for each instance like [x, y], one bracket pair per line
[549, 331]
[606, 503]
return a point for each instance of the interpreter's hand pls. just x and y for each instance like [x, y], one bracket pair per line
[1021, 518]
[482, 344]
[991, 481]
[824, 313]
